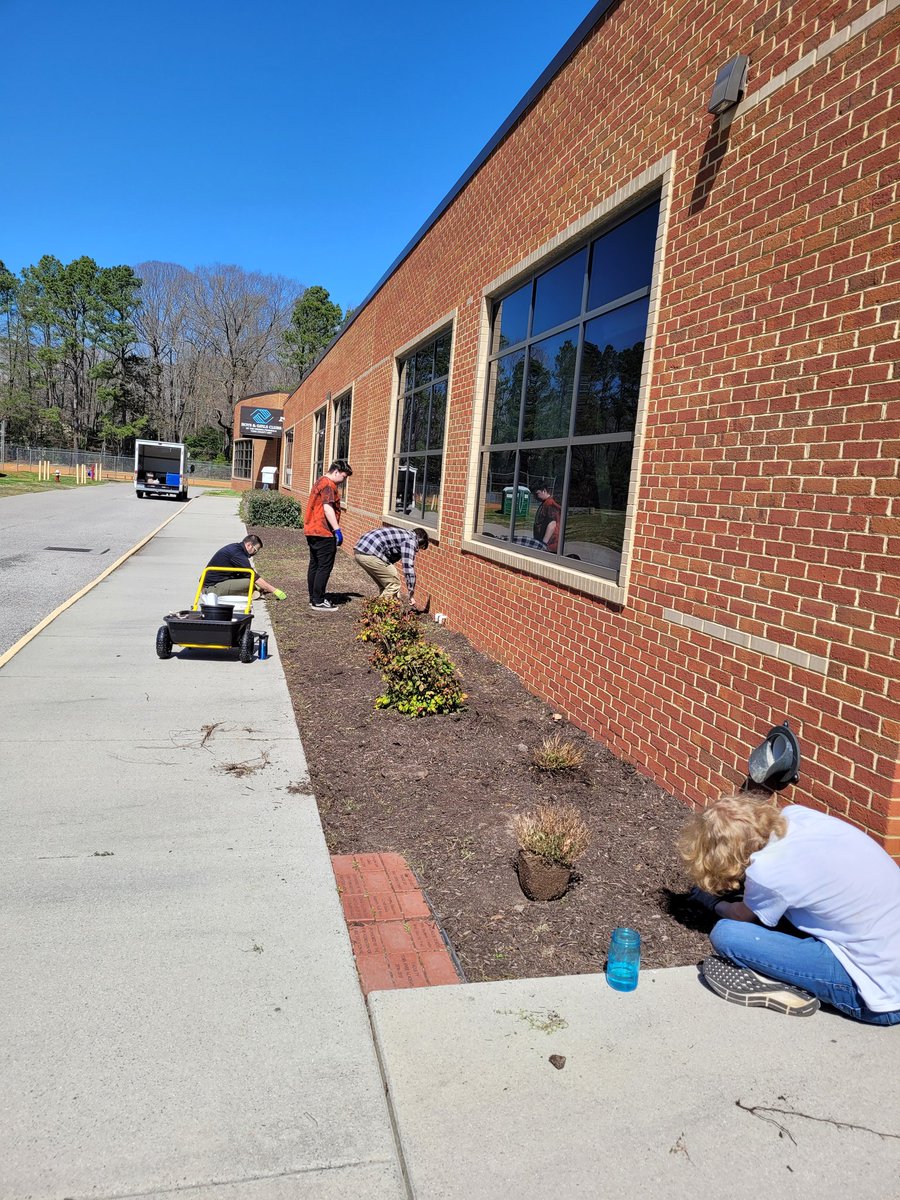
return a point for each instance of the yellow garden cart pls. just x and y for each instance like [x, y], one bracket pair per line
[212, 627]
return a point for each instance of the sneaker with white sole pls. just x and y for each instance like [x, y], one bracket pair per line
[740, 985]
[324, 606]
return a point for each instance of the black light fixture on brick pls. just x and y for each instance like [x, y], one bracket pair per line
[729, 86]
[776, 761]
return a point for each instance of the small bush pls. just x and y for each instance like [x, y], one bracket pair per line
[389, 627]
[557, 753]
[421, 680]
[271, 508]
[555, 832]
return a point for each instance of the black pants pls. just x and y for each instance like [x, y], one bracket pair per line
[322, 551]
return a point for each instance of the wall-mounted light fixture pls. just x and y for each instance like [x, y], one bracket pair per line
[776, 761]
[729, 86]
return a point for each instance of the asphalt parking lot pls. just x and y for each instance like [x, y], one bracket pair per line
[53, 543]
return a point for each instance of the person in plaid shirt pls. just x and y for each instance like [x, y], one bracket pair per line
[377, 551]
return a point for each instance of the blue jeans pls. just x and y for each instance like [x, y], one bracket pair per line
[803, 961]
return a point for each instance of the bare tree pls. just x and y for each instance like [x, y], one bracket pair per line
[164, 326]
[238, 321]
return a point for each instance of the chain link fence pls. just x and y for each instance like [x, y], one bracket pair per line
[115, 466]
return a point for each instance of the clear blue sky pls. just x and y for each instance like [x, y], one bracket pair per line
[306, 140]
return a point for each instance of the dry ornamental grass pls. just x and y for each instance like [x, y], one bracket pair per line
[555, 832]
[558, 753]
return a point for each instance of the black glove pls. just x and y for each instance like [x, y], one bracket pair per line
[704, 899]
[338, 537]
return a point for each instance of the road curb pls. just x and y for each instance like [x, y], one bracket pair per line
[41, 625]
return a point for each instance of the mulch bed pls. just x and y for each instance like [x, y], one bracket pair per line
[441, 791]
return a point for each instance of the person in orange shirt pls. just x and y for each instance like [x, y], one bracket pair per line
[322, 526]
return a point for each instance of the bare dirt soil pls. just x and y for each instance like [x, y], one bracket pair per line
[442, 790]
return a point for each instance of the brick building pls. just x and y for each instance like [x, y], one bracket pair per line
[636, 374]
[258, 441]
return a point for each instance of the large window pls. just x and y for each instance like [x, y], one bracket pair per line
[242, 463]
[287, 464]
[563, 382]
[318, 467]
[342, 410]
[418, 460]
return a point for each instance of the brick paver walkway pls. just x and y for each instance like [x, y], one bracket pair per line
[395, 938]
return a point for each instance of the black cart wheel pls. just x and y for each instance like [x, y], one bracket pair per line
[247, 650]
[163, 642]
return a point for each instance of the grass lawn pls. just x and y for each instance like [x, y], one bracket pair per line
[17, 483]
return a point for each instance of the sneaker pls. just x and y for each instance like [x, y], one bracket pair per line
[323, 606]
[740, 985]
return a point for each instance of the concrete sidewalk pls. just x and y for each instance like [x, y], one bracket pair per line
[182, 1014]
[180, 1006]
[654, 1099]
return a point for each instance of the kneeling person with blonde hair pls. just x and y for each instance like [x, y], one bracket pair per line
[835, 885]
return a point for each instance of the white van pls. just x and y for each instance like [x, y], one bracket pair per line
[160, 469]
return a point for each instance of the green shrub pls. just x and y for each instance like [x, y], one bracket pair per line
[420, 680]
[271, 508]
[389, 627]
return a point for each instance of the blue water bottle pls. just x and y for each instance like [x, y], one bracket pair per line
[263, 646]
[624, 959]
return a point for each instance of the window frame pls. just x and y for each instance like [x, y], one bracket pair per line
[345, 395]
[317, 465]
[447, 324]
[287, 460]
[656, 180]
[244, 444]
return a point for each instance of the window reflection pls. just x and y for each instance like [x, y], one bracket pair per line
[421, 420]
[319, 445]
[542, 474]
[558, 293]
[442, 356]
[342, 411]
[548, 394]
[498, 474]
[611, 363]
[505, 396]
[622, 260]
[558, 466]
[424, 366]
[598, 499]
[437, 416]
[511, 319]
[431, 491]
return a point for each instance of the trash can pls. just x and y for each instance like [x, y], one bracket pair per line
[523, 502]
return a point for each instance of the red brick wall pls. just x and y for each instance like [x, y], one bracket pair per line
[769, 495]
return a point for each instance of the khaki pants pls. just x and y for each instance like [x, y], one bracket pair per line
[383, 573]
[229, 587]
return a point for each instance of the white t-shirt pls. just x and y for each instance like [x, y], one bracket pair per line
[834, 882]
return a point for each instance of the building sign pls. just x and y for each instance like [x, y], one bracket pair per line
[261, 422]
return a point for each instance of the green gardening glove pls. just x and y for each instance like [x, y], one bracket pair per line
[279, 594]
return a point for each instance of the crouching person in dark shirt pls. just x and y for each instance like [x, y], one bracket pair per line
[239, 554]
